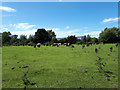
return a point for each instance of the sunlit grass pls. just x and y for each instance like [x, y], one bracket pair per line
[59, 67]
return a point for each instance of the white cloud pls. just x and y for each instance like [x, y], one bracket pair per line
[23, 26]
[94, 33]
[60, 0]
[61, 33]
[67, 27]
[7, 9]
[53, 29]
[111, 20]
[5, 28]
[27, 32]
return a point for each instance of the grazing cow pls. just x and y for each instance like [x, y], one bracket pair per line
[72, 46]
[46, 44]
[54, 44]
[111, 49]
[89, 43]
[96, 50]
[68, 44]
[34, 46]
[83, 46]
[116, 45]
[59, 44]
[38, 44]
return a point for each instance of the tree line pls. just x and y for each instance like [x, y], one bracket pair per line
[108, 35]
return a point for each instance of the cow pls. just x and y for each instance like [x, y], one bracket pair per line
[54, 44]
[58, 44]
[116, 45]
[72, 46]
[68, 44]
[89, 43]
[38, 44]
[83, 46]
[96, 50]
[111, 49]
[34, 46]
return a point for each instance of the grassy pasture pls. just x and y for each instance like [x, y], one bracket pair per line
[59, 67]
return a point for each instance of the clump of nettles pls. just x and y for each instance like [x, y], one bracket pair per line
[100, 64]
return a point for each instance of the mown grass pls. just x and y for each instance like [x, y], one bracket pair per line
[59, 67]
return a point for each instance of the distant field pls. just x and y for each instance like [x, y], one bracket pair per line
[59, 67]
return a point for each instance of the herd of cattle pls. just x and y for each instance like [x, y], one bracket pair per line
[54, 44]
[68, 44]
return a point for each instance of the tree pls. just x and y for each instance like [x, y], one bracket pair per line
[6, 38]
[23, 39]
[84, 39]
[88, 38]
[54, 40]
[94, 39]
[42, 36]
[79, 41]
[63, 40]
[119, 36]
[13, 40]
[14, 36]
[109, 35]
[31, 38]
[0, 39]
[51, 34]
[72, 39]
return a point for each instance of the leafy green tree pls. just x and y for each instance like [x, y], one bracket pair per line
[79, 41]
[42, 36]
[83, 40]
[54, 40]
[94, 39]
[72, 39]
[51, 34]
[31, 38]
[14, 36]
[88, 38]
[6, 36]
[63, 40]
[119, 36]
[109, 35]
[0, 39]
[23, 39]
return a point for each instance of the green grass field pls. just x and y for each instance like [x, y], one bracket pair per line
[59, 67]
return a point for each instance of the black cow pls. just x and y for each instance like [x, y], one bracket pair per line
[111, 49]
[96, 50]
[116, 45]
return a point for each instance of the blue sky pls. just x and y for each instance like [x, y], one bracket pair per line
[65, 18]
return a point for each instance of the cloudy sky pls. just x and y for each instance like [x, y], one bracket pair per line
[65, 18]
